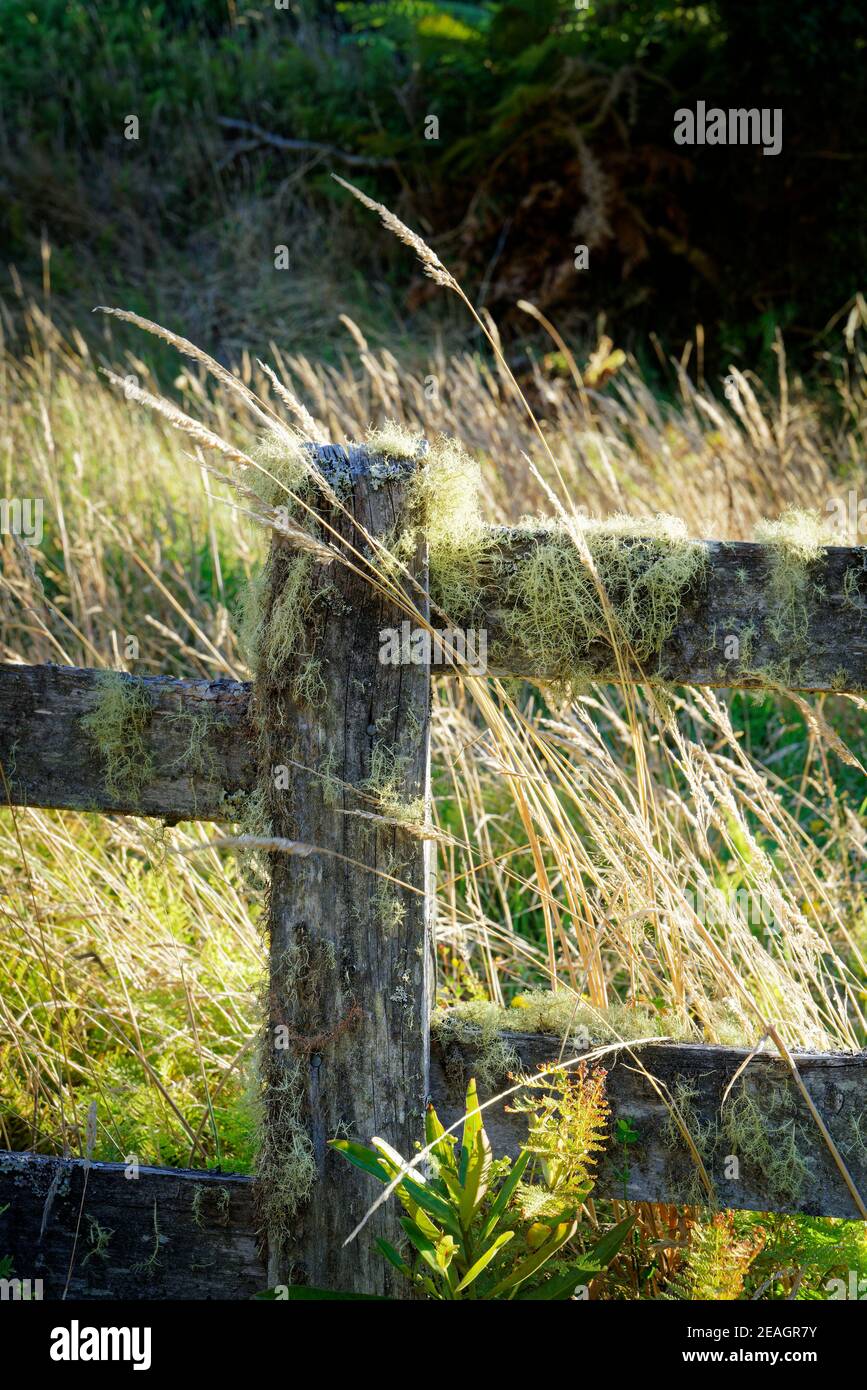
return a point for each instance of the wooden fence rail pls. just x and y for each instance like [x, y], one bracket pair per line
[352, 999]
[179, 1234]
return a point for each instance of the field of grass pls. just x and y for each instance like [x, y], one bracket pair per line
[569, 828]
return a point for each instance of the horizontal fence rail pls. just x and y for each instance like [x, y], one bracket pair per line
[167, 1233]
[763, 1112]
[182, 1234]
[50, 759]
[735, 596]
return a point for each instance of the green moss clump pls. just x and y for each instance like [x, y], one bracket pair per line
[118, 725]
[556, 613]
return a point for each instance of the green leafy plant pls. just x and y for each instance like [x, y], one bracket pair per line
[625, 1135]
[479, 1227]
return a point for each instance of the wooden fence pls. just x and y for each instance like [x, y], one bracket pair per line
[355, 1002]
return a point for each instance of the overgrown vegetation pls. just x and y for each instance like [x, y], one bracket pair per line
[578, 837]
[572, 107]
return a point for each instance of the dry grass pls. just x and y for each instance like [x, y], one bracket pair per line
[576, 832]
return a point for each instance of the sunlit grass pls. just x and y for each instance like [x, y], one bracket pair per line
[130, 978]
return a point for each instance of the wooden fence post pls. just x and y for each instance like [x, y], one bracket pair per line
[351, 960]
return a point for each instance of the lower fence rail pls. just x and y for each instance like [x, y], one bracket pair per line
[114, 1231]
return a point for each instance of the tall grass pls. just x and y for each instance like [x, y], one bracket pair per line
[572, 832]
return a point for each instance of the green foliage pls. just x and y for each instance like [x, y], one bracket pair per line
[715, 1265]
[800, 1255]
[483, 1228]
[554, 122]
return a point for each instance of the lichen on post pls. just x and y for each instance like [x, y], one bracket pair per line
[346, 1048]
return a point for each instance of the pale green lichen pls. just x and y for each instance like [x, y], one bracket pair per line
[482, 1024]
[197, 729]
[556, 613]
[385, 784]
[442, 504]
[286, 1165]
[852, 598]
[331, 783]
[767, 1135]
[99, 1239]
[284, 472]
[797, 540]
[118, 726]
[682, 1114]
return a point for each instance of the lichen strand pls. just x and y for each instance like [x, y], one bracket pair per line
[196, 728]
[768, 1135]
[555, 612]
[385, 785]
[284, 474]
[286, 1166]
[796, 541]
[117, 725]
[442, 503]
[288, 640]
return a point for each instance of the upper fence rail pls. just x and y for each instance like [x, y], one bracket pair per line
[50, 760]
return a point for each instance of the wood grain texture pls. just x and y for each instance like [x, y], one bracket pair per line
[661, 1170]
[49, 759]
[166, 1235]
[351, 953]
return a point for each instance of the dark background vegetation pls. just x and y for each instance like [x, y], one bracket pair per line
[555, 128]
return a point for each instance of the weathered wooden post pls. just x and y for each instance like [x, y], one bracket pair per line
[351, 958]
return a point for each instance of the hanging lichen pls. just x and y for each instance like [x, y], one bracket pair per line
[796, 541]
[118, 725]
[555, 612]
